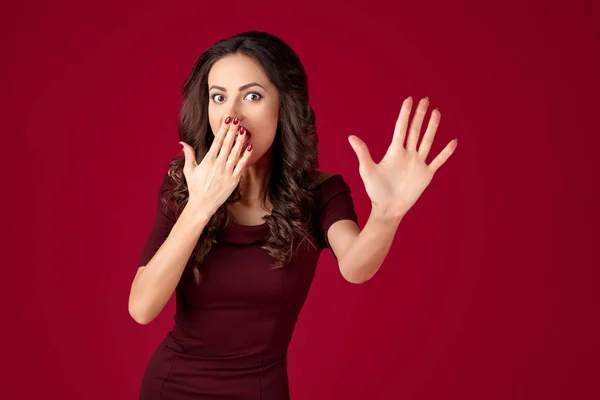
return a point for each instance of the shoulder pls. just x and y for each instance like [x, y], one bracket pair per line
[165, 196]
[328, 186]
[328, 180]
[322, 177]
[334, 203]
[166, 187]
[168, 183]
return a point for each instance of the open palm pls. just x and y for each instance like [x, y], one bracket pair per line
[396, 183]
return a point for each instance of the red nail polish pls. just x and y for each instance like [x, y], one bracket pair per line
[236, 120]
[227, 120]
[242, 130]
[249, 147]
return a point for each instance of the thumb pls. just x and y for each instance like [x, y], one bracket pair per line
[361, 150]
[188, 153]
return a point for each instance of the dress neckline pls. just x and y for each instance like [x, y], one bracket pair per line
[245, 234]
[248, 234]
[248, 227]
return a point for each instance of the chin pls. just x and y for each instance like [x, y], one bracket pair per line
[255, 157]
[251, 160]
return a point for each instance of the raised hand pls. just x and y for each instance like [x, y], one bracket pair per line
[211, 182]
[396, 183]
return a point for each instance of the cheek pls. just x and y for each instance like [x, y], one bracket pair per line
[213, 127]
[213, 120]
[270, 121]
[268, 129]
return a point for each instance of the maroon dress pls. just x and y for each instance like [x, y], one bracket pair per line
[231, 333]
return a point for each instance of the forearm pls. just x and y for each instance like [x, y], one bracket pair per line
[366, 254]
[155, 283]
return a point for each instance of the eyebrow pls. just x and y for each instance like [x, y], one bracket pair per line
[243, 87]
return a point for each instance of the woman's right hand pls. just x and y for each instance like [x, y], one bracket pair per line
[211, 182]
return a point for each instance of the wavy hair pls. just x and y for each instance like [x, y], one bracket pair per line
[294, 157]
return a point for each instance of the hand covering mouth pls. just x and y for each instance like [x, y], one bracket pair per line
[248, 137]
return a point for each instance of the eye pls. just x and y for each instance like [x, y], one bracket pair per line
[258, 97]
[256, 94]
[215, 95]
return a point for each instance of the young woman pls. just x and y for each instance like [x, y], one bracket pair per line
[244, 214]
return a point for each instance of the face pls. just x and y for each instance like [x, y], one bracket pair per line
[238, 87]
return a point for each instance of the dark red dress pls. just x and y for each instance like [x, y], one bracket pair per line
[231, 333]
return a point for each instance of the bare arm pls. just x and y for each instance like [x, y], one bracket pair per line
[361, 253]
[154, 283]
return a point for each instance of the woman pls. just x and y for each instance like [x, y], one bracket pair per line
[243, 216]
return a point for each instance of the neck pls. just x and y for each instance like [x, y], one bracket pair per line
[254, 181]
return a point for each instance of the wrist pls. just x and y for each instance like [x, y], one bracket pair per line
[386, 216]
[196, 212]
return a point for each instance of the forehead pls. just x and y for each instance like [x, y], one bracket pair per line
[236, 70]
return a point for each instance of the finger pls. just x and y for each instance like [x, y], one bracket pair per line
[402, 123]
[415, 126]
[240, 141]
[190, 157]
[219, 138]
[229, 140]
[444, 155]
[362, 152]
[434, 122]
[237, 171]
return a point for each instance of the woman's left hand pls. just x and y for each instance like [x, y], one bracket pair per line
[395, 184]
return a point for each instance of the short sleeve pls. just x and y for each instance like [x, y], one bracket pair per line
[164, 220]
[335, 204]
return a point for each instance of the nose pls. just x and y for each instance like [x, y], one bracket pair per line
[235, 109]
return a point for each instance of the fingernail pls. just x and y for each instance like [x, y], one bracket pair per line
[227, 120]
[427, 98]
[249, 147]
[236, 120]
[242, 130]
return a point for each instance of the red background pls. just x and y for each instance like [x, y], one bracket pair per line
[490, 290]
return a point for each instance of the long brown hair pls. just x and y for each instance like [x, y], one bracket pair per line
[294, 153]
